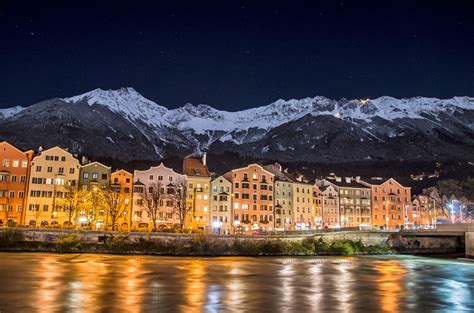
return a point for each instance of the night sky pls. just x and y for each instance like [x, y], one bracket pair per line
[236, 55]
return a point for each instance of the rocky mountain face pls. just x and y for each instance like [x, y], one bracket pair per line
[123, 125]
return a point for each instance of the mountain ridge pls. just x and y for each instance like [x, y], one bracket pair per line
[308, 129]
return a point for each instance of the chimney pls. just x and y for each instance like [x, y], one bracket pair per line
[348, 180]
[357, 178]
[204, 158]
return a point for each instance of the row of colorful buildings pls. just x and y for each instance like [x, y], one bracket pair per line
[254, 198]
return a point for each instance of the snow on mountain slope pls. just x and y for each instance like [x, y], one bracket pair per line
[126, 101]
[202, 119]
[6, 113]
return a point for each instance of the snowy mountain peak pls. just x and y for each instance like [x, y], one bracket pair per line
[126, 101]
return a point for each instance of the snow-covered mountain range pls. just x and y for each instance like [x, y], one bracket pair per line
[122, 124]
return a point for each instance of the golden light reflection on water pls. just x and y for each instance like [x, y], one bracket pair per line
[343, 281]
[48, 292]
[315, 296]
[286, 277]
[94, 283]
[131, 285]
[194, 285]
[390, 285]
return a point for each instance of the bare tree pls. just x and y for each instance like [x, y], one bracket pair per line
[179, 202]
[112, 204]
[72, 200]
[152, 196]
[439, 200]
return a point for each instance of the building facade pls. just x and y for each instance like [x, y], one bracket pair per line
[159, 179]
[330, 214]
[51, 172]
[122, 182]
[198, 181]
[94, 177]
[94, 174]
[317, 207]
[303, 206]
[14, 174]
[283, 198]
[354, 201]
[391, 203]
[253, 198]
[220, 214]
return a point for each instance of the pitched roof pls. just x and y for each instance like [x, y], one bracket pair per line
[275, 169]
[195, 168]
[343, 183]
[377, 181]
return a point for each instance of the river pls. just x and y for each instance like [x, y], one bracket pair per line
[108, 283]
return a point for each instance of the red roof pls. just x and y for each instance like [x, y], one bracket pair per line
[194, 167]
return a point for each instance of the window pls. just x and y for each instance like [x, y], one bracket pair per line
[45, 208]
[22, 179]
[14, 179]
[85, 175]
[63, 158]
[254, 176]
[50, 169]
[21, 194]
[95, 175]
[12, 194]
[61, 170]
[24, 163]
[160, 177]
[104, 176]
[38, 168]
[245, 185]
[237, 185]
[16, 163]
[150, 177]
[6, 163]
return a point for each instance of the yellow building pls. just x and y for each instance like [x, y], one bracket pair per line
[198, 182]
[122, 182]
[51, 171]
[303, 206]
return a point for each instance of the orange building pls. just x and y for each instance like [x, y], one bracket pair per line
[391, 203]
[122, 182]
[14, 173]
[253, 198]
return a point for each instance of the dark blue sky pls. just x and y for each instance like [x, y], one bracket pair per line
[236, 55]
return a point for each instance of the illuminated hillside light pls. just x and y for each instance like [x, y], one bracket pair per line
[364, 101]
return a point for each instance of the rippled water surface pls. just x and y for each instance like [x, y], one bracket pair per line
[105, 283]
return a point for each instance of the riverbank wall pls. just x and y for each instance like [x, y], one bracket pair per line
[344, 242]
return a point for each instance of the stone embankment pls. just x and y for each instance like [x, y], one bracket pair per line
[441, 241]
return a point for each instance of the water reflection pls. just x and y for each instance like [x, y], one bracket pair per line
[98, 283]
[389, 285]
